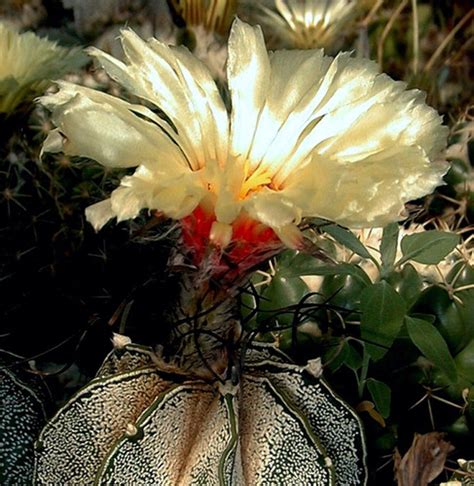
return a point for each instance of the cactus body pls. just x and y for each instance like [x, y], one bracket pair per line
[138, 424]
[22, 414]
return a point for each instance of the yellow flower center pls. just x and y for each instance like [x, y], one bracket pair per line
[260, 177]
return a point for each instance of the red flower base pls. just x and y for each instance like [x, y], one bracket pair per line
[251, 243]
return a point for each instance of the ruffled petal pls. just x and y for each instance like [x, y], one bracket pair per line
[334, 83]
[224, 188]
[341, 108]
[176, 196]
[98, 214]
[291, 236]
[310, 135]
[309, 23]
[106, 129]
[179, 84]
[273, 209]
[369, 192]
[294, 80]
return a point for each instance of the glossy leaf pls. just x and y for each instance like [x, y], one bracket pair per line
[381, 395]
[283, 292]
[348, 239]
[465, 362]
[383, 311]
[342, 290]
[335, 355]
[429, 247]
[353, 358]
[407, 283]
[303, 264]
[455, 328]
[388, 246]
[430, 342]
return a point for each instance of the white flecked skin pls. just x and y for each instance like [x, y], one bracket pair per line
[22, 415]
[280, 425]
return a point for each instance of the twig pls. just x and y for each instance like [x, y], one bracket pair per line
[387, 30]
[447, 40]
[416, 36]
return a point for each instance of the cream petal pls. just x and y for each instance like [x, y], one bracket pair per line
[178, 200]
[304, 87]
[427, 132]
[348, 112]
[291, 236]
[28, 63]
[53, 143]
[181, 86]
[98, 214]
[273, 209]
[293, 77]
[248, 73]
[278, 22]
[106, 129]
[310, 135]
[309, 23]
[370, 192]
[225, 185]
[285, 12]
[220, 234]
[380, 126]
[227, 208]
[126, 201]
[176, 196]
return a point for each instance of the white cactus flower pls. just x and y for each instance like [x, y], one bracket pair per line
[307, 24]
[307, 135]
[27, 65]
[213, 15]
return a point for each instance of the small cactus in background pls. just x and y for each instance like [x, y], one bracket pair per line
[23, 403]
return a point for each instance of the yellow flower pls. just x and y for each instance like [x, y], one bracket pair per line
[27, 64]
[308, 135]
[213, 15]
[306, 24]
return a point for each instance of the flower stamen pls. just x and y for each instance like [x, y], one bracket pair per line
[260, 177]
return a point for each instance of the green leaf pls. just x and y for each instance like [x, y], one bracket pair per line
[407, 283]
[342, 291]
[383, 311]
[334, 356]
[388, 246]
[353, 359]
[381, 396]
[281, 293]
[303, 264]
[348, 239]
[429, 247]
[430, 342]
[424, 317]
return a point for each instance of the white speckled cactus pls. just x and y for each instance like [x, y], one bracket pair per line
[22, 414]
[278, 423]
